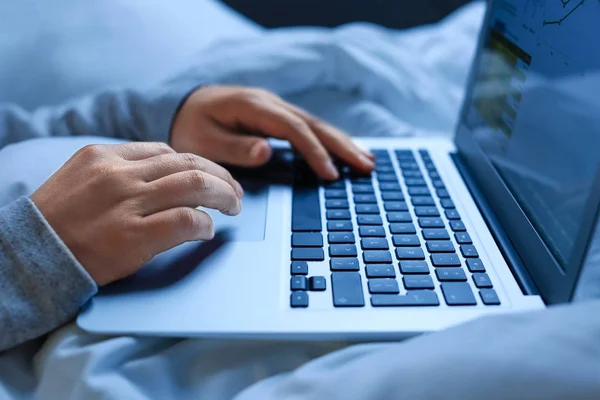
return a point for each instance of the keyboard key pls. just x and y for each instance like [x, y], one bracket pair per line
[434, 175]
[404, 153]
[422, 201]
[418, 282]
[335, 194]
[306, 210]
[440, 246]
[452, 214]
[341, 238]
[347, 289]
[447, 203]
[389, 186]
[337, 204]
[409, 165]
[445, 260]
[342, 250]
[410, 253]
[339, 184]
[384, 168]
[442, 193]
[307, 239]
[438, 184]
[371, 231]
[298, 282]
[367, 209]
[361, 180]
[414, 298]
[431, 223]
[451, 275]
[489, 297]
[387, 177]
[463, 238]
[457, 226]
[414, 267]
[402, 216]
[380, 271]
[436, 234]
[380, 285]
[299, 268]
[374, 244]
[402, 228]
[377, 257]
[369, 220]
[419, 191]
[482, 280]
[339, 226]
[412, 174]
[299, 300]
[414, 182]
[458, 294]
[317, 283]
[475, 265]
[406, 240]
[365, 199]
[469, 251]
[338, 215]
[395, 206]
[363, 189]
[427, 212]
[344, 264]
[307, 254]
[392, 196]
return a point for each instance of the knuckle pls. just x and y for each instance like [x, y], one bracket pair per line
[191, 161]
[163, 147]
[196, 179]
[298, 124]
[91, 151]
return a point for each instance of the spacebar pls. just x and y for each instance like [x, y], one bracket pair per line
[306, 209]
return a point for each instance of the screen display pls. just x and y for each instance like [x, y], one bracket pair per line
[535, 111]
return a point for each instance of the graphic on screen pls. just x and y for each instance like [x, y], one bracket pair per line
[535, 110]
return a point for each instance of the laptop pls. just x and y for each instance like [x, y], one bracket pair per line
[497, 220]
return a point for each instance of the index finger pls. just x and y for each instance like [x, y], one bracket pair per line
[337, 142]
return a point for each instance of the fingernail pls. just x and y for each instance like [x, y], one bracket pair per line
[332, 170]
[366, 161]
[238, 190]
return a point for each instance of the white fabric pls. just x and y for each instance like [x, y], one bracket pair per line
[52, 50]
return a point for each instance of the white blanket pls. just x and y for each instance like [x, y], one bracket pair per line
[369, 81]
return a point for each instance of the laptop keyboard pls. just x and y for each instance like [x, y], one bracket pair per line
[409, 243]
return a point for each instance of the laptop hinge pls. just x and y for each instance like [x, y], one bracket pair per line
[509, 252]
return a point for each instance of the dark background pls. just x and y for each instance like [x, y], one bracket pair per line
[390, 13]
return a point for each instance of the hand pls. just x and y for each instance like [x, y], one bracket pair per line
[212, 119]
[117, 206]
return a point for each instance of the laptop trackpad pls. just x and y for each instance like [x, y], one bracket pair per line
[249, 225]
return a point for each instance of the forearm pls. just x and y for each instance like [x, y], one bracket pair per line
[42, 285]
[127, 114]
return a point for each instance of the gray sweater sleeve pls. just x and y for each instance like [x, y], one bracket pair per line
[128, 114]
[42, 285]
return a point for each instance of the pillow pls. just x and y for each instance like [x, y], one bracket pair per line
[55, 50]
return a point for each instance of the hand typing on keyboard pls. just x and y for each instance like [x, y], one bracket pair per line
[213, 120]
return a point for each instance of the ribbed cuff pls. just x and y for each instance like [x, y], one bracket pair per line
[42, 273]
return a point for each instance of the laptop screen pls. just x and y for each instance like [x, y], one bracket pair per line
[533, 110]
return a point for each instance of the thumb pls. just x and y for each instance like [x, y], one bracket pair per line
[239, 149]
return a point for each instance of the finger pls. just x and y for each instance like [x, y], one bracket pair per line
[173, 227]
[237, 149]
[191, 189]
[336, 141]
[142, 150]
[270, 118]
[163, 165]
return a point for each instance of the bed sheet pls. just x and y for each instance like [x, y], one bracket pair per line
[367, 80]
